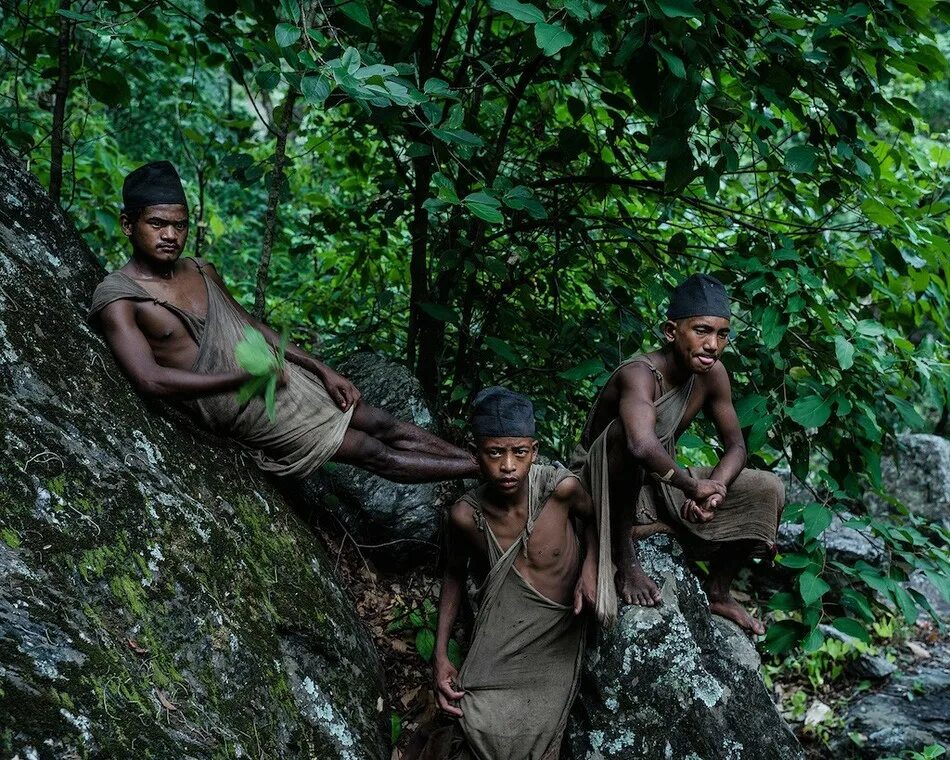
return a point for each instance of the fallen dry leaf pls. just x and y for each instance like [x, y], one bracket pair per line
[164, 701]
[136, 647]
[918, 650]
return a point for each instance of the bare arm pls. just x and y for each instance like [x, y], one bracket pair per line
[341, 390]
[572, 493]
[134, 356]
[444, 673]
[639, 423]
[720, 410]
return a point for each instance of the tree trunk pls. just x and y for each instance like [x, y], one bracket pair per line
[273, 200]
[61, 93]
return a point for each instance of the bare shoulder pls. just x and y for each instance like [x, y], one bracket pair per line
[568, 489]
[118, 314]
[717, 380]
[462, 516]
[636, 377]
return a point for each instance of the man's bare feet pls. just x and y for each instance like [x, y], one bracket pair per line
[636, 587]
[726, 606]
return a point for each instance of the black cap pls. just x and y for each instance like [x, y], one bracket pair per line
[699, 295]
[153, 184]
[500, 413]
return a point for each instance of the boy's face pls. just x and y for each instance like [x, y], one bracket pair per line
[697, 342]
[505, 462]
[159, 233]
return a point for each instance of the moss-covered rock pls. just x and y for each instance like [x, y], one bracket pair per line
[675, 682]
[157, 598]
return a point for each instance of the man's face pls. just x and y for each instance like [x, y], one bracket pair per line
[159, 233]
[505, 462]
[697, 342]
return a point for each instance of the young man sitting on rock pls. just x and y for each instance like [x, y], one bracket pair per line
[627, 456]
[516, 533]
[173, 326]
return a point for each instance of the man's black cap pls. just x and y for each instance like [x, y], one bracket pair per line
[699, 295]
[153, 184]
[500, 413]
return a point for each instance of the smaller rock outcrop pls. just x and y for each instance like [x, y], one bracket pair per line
[842, 542]
[675, 682]
[918, 475]
[396, 524]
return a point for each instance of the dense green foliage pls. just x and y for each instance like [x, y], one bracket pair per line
[505, 191]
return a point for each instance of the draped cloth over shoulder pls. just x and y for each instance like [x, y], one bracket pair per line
[749, 512]
[309, 427]
[522, 671]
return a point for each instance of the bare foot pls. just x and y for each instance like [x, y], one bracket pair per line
[635, 587]
[727, 607]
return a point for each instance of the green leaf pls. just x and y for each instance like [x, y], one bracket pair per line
[356, 10]
[787, 21]
[425, 643]
[286, 35]
[811, 411]
[783, 601]
[673, 62]
[584, 369]
[816, 518]
[503, 350]
[552, 37]
[907, 412]
[521, 11]
[253, 387]
[782, 636]
[796, 561]
[844, 351]
[858, 603]
[811, 587]
[813, 641]
[484, 206]
[270, 398]
[440, 312]
[395, 728]
[110, 87]
[851, 627]
[801, 159]
[906, 603]
[315, 89]
[878, 213]
[267, 79]
[679, 8]
[773, 327]
[254, 354]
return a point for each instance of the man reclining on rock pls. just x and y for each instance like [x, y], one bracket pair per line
[172, 325]
[627, 457]
[516, 533]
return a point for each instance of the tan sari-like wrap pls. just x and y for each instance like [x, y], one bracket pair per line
[309, 427]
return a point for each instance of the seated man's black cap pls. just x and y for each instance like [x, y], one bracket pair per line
[153, 184]
[699, 295]
[500, 413]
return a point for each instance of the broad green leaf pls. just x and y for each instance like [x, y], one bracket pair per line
[256, 386]
[908, 413]
[267, 79]
[787, 21]
[858, 603]
[795, 560]
[844, 351]
[851, 627]
[286, 34]
[783, 601]
[270, 398]
[679, 8]
[356, 10]
[552, 37]
[425, 643]
[811, 411]
[315, 89]
[673, 62]
[816, 518]
[584, 369]
[254, 354]
[813, 641]
[801, 159]
[811, 587]
[782, 636]
[878, 213]
[440, 312]
[395, 728]
[503, 350]
[521, 11]
[484, 206]
[773, 327]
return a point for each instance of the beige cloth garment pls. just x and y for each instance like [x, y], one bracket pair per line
[309, 427]
[522, 672]
[750, 511]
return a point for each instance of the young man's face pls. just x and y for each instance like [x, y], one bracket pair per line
[697, 342]
[159, 233]
[505, 462]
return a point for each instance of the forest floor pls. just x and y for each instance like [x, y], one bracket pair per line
[399, 609]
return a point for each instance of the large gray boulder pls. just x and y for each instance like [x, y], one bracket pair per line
[396, 524]
[157, 598]
[918, 475]
[843, 543]
[675, 682]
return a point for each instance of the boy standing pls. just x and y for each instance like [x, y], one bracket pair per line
[516, 533]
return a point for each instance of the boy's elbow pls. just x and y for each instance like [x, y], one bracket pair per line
[151, 386]
[637, 448]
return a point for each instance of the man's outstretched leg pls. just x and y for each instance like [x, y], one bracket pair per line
[723, 568]
[634, 586]
[397, 434]
[400, 465]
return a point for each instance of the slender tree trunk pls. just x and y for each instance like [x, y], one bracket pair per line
[61, 93]
[273, 199]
